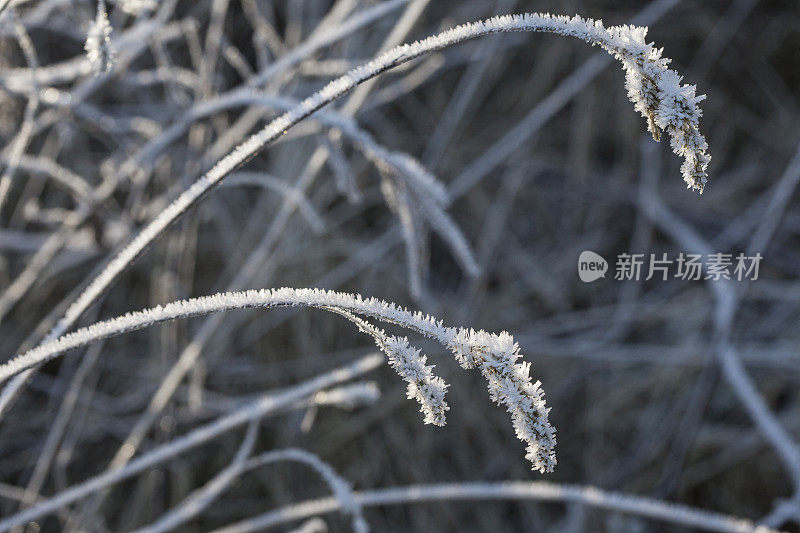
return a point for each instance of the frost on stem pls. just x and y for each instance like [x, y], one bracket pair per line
[658, 95]
[99, 49]
[510, 385]
[655, 89]
[428, 390]
[496, 356]
[409, 363]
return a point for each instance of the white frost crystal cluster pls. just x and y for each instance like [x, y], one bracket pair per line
[510, 385]
[655, 90]
[657, 93]
[423, 386]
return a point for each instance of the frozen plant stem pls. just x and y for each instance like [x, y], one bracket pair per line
[495, 355]
[428, 390]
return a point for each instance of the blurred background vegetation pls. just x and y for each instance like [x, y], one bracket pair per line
[545, 157]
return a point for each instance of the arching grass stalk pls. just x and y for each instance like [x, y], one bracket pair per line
[494, 355]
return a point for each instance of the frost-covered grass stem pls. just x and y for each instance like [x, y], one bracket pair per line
[495, 355]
